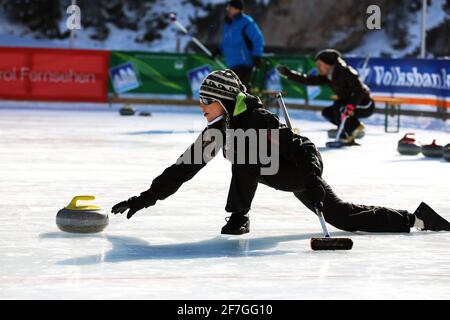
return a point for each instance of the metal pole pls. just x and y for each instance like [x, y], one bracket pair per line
[283, 108]
[196, 41]
[424, 30]
[72, 32]
[326, 234]
[178, 44]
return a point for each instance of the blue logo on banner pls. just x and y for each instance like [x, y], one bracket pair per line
[273, 81]
[196, 76]
[124, 78]
[313, 91]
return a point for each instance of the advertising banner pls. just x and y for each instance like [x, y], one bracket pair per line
[181, 74]
[163, 73]
[417, 81]
[53, 74]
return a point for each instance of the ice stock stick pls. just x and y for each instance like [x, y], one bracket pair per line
[284, 109]
[364, 67]
[174, 20]
[327, 242]
[336, 143]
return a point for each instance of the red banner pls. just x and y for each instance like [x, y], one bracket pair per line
[53, 74]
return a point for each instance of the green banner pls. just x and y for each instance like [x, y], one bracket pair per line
[159, 73]
[134, 72]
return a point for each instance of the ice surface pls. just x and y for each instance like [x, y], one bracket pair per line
[173, 250]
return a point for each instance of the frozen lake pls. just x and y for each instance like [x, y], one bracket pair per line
[174, 250]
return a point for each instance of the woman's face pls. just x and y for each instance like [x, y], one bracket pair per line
[211, 109]
[322, 67]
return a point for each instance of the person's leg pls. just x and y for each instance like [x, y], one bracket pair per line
[365, 111]
[352, 217]
[353, 122]
[333, 113]
[245, 75]
[242, 189]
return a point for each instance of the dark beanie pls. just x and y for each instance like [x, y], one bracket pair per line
[223, 86]
[329, 56]
[238, 4]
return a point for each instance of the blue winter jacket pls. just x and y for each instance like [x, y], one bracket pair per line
[235, 49]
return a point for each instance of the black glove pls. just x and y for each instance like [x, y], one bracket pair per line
[315, 190]
[257, 61]
[284, 71]
[146, 199]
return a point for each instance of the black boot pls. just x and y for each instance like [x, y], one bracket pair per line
[237, 223]
[431, 220]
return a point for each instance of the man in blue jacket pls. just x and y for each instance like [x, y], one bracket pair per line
[242, 42]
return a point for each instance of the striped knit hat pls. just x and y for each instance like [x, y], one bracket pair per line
[223, 86]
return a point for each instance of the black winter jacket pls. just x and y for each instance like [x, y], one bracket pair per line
[345, 82]
[294, 150]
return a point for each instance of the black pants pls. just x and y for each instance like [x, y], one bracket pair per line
[245, 75]
[340, 214]
[333, 114]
